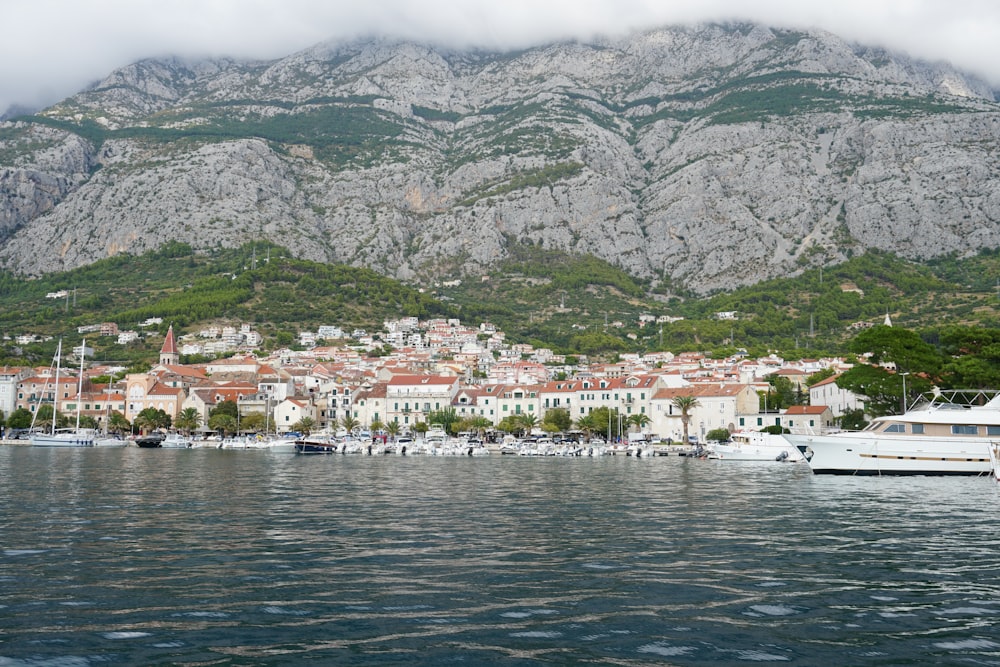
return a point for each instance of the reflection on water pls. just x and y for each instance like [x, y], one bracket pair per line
[134, 556]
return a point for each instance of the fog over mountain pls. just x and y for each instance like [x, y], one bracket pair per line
[708, 156]
[53, 49]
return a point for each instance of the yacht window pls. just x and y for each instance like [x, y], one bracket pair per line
[895, 428]
[917, 428]
[993, 430]
[964, 429]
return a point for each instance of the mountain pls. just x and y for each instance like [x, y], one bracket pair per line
[699, 158]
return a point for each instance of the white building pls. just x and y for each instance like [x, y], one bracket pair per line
[826, 392]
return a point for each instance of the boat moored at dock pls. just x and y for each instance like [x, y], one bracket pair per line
[948, 433]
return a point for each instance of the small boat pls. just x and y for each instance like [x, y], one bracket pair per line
[316, 446]
[110, 441]
[946, 433]
[150, 441]
[175, 441]
[995, 459]
[756, 446]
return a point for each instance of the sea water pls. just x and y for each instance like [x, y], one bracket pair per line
[217, 557]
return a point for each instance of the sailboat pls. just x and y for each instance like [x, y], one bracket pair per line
[66, 437]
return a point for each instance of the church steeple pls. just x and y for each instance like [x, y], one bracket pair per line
[168, 353]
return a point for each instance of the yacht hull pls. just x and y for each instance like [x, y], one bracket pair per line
[867, 454]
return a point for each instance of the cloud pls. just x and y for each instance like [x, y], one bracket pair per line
[50, 49]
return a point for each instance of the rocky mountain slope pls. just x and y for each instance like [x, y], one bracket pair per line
[707, 157]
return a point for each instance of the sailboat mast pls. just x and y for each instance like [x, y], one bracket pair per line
[55, 390]
[79, 385]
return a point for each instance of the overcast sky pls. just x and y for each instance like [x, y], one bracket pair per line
[50, 49]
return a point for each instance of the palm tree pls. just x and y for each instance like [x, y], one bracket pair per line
[349, 423]
[304, 425]
[188, 420]
[639, 420]
[376, 425]
[480, 424]
[220, 422]
[586, 424]
[392, 428]
[685, 404]
[118, 424]
[528, 422]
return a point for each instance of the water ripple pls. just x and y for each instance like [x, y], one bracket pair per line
[171, 556]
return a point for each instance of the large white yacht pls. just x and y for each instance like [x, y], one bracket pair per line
[948, 433]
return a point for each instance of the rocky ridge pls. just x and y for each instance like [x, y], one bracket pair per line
[708, 157]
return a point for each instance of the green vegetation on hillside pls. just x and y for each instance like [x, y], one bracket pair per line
[574, 304]
[258, 284]
[338, 130]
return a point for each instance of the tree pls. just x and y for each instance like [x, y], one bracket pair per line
[226, 407]
[43, 417]
[304, 425]
[585, 424]
[224, 423]
[604, 420]
[527, 421]
[188, 420]
[783, 394]
[392, 428]
[638, 420]
[820, 375]
[20, 418]
[852, 420]
[349, 423]
[718, 435]
[685, 403]
[901, 347]
[118, 424]
[509, 424]
[882, 388]
[558, 417]
[252, 422]
[151, 419]
[376, 425]
[447, 418]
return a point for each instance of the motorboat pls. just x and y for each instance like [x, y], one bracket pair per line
[318, 445]
[110, 441]
[945, 433]
[175, 441]
[150, 440]
[755, 446]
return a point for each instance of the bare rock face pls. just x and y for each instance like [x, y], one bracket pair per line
[710, 157]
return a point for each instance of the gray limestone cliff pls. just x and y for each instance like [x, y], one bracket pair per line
[709, 157]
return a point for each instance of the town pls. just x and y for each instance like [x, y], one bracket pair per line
[412, 370]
